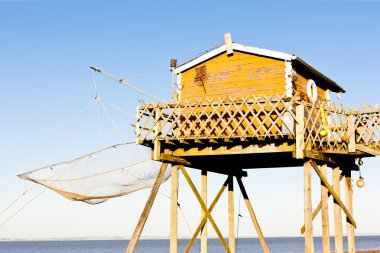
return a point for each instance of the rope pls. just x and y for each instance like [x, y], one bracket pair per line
[19, 210]
[25, 205]
[119, 109]
[187, 224]
[17, 199]
[112, 120]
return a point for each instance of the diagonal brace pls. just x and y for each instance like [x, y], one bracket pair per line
[331, 190]
[253, 216]
[203, 221]
[204, 207]
[148, 206]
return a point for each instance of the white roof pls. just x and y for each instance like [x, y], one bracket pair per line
[238, 47]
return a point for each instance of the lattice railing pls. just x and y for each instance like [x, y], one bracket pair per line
[217, 118]
[367, 125]
[344, 128]
[327, 127]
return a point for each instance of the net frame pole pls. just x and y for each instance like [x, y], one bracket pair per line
[148, 206]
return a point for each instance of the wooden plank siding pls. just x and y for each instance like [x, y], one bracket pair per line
[300, 85]
[239, 74]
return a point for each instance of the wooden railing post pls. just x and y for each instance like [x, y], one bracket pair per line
[300, 135]
[138, 130]
[157, 130]
[351, 132]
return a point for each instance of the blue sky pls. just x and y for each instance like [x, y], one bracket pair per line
[46, 48]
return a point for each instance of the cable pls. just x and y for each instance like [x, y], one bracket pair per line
[19, 210]
[17, 199]
[187, 224]
[113, 122]
[119, 109]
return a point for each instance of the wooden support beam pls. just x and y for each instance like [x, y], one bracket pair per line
[367, 150]
[332, 189]
[204, 198]
[174, 159]
[325, 214]
[148, 206]
[309, 243]
[174, 210]
[253, 216]
[199, 198]
[199, 141]
[214, 141]
[317, 209]
[337, 213]
[350, 228]
[319, 156]
[231, 215]
[201, 224]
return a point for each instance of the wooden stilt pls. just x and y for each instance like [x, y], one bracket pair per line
[318, 208]
[201, 224]
[253, 216]
[231, 215]
[337, 213]
[325, 214]
[350, 228]
[204, 198]
[332, 191]
[204, 207]
[148, 206]
[174, 211]
[309, 244]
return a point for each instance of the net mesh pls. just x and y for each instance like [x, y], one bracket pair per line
[96, 177]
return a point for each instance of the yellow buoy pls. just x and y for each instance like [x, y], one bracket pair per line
[323, 133]
[360, 183]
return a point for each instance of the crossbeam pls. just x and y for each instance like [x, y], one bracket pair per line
[204, 207]
[203, 221]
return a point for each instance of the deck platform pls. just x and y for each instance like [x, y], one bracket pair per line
[258, 131]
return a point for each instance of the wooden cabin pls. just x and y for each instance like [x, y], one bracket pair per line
[243, 102]
[241, 107]
[234, 69]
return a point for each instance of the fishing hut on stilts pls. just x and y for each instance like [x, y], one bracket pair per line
[239, 107]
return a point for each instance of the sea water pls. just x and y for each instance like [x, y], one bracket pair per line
[244, 245]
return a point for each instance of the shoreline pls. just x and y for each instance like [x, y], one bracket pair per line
[116, 238]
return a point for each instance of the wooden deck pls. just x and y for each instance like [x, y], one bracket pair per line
[272, 131]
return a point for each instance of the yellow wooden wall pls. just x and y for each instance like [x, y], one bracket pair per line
[238, 74]
[300, 85]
